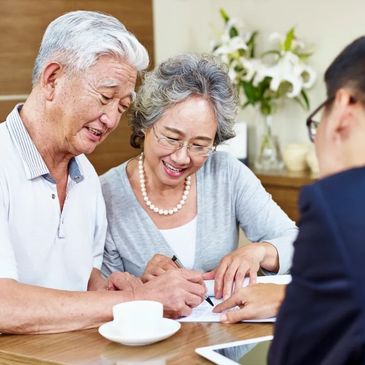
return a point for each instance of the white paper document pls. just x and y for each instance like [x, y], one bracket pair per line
[203, 312]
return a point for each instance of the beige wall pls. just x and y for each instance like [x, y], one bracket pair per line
[190, 25]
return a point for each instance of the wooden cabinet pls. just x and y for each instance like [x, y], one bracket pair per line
[21, 28]
[284, 186]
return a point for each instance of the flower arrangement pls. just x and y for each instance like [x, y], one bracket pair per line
[277, 74]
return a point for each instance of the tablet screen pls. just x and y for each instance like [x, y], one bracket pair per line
[247, 352]
[250, 354]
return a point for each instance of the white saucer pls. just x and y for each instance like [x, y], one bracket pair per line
[167, 328]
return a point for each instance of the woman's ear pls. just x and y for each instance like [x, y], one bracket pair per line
[49, 78]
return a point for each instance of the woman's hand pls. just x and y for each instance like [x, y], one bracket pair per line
[157, 266]
[254, 302]
[244, 261]
[123, 281]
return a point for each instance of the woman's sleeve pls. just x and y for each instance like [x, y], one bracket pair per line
[261, 218]
[112, 260]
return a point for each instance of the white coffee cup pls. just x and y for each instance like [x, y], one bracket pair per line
[139, 318]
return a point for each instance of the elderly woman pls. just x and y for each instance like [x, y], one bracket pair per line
[179, 196]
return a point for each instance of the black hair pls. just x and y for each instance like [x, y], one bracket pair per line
[348, 70]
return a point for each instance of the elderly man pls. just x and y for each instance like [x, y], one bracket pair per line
[52, 214]
[322, 319]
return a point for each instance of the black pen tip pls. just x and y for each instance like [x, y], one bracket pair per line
[209, 301]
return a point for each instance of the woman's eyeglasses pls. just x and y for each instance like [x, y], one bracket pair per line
[174, 145]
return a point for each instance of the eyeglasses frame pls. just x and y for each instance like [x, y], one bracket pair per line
[310, 121]
[181, 145]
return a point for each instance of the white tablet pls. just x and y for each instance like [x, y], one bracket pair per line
[253, 351]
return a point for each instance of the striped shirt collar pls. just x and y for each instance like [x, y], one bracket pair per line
[32, 159]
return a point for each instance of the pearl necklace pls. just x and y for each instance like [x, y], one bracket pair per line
[147, 200]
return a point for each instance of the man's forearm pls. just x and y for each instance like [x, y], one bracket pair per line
[31, 309]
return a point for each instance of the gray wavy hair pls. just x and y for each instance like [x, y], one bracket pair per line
[175, 80]
[76, 40]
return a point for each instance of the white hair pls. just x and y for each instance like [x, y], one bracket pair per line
[78, 38]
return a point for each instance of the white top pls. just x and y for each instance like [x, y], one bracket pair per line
[39, 244]
[183, 242]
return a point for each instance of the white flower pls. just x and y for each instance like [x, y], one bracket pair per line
[230, 46]
[289, 68]
[309, 76]
[279, 39]
[281, 72]
[255, 69]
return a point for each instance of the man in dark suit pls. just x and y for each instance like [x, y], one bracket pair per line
[322, 319]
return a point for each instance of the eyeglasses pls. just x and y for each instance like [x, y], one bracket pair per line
[314, 119]
[174, 145]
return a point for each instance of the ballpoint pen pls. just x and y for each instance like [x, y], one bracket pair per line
[181, 266]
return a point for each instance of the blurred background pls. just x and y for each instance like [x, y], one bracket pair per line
[170, 27]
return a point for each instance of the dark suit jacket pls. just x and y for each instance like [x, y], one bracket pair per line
[322, 317]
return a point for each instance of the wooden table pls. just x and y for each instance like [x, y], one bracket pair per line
[89, 348]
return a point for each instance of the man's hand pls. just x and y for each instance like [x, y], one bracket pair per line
[254, 301]
[178, 290]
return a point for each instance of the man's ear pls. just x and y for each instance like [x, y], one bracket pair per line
[343, 113]
[49, 78]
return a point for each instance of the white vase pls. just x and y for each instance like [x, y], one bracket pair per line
[269, 155]
[237, 145]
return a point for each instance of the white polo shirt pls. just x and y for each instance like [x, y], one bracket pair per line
[39, 244]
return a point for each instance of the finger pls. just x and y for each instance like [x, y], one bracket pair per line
[196, 289]
[174, 313]
[168, 265]
[157, 271]
[240, 277]
[229, 278]
[191, 275]
[159, 260]
[118, 280]
[231, 302]
[148, 277]
[111, 286]
[219, 276]
[209, 275]
[253, 276]
[237, 315]
[136, 281]
[193, 300]
[189, 281]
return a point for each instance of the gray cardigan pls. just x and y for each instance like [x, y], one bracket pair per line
[229, 195]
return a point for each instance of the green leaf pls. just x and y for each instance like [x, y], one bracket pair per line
[304, 56]
[300, 102]
[251, 44]
[249, 91]
[306, 99]
[303, 100]
[224, 15]
[233, 32]
[289, 39]
[265, 107]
